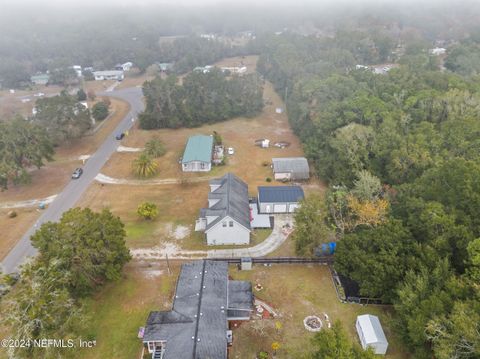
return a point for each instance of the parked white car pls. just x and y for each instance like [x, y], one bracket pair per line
[231, 151]
[39, 94]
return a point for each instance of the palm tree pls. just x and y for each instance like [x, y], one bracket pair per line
[144, 166]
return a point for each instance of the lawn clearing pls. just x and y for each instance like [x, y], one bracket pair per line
[249, 162]
[296, 292]
[12, 229]
[119, 309]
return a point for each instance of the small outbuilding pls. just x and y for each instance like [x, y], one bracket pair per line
[371, 333]
[290, 168]
[279, 199]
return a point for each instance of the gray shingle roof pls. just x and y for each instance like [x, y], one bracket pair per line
[233, 201]
[196, 327]
[280, 194]
[240, 295]
[290, 165]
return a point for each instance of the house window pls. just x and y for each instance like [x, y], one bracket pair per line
[224, 224]
[230, 224]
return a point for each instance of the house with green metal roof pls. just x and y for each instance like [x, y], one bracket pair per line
[40, 79]
[198, 154]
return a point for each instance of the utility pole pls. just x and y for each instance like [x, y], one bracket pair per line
[285, 99]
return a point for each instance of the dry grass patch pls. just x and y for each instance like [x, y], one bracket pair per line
[12, 229]
[249, 162]
[178, 205]
[51, 178]
[295, 292]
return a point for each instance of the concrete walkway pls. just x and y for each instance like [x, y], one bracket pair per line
[278, 236]
[27, 203]
[146, 182]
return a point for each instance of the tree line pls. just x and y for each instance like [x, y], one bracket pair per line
[202, 98]
[400, 154]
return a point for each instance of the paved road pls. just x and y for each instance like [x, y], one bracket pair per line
[74, 190]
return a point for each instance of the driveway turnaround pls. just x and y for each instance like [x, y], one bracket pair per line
[75, 188]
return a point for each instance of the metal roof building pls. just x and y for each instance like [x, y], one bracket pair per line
[291, 168]
[371, 333]
[196, 327]
[198, 153]
[279, 199]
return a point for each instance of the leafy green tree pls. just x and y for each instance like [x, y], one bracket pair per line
[63, 117]
[377, 258]
[155, 148]
[144, 166]
[41, 307]
[88, 247]
[22, 144]
[367, 186]
[458, 335]
[81, 95]
[334, 343]
[147, 210]
[423, 296]
[100, 111]
[311, 229]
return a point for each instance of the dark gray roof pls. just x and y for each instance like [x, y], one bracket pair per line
[280, 194]
[290, 165]
[232, 196]
[196, 327]
[240, 295]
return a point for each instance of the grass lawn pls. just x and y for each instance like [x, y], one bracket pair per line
[296, 292]
[122, 307]
[179, 204]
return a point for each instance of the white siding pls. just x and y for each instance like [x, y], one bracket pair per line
[227, 234]
[196, 166]
[267, 207]
[282, 176]
[280, 208]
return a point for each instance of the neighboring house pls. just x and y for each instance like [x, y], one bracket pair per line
[124, 67]
[279, 199]
[198, 154]
[40, 79]
[203, 69]
[234, 69]
[437, 51]
[78, 70]
[383, 69]
[226, 221]
[165, 66]
[290, 168]
[109, 75]
[197, 326]
[371, 333]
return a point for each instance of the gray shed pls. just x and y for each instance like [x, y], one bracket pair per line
[290, 168]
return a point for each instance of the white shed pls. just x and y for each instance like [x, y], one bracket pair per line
[371, 333]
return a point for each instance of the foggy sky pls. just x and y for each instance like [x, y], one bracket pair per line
[194, 3]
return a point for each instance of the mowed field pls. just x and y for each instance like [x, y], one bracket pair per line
[50, 179]
[295, 292]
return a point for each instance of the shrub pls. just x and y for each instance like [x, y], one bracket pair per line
[81, 95]
[147, 210]
[155, 148]
[268, 179]
[100, 111]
